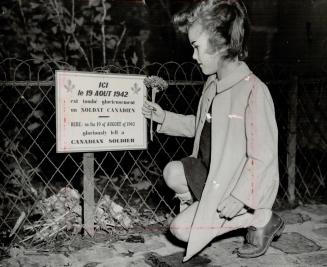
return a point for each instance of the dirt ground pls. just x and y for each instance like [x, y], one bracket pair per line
[303, 243]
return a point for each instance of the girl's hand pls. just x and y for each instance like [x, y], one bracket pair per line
[158, 114]
[230, 207]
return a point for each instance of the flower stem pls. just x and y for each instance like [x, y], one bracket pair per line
[153, 99]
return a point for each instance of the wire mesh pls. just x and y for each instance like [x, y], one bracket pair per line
[42, 191]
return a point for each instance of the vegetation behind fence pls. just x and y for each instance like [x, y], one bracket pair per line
[42, 191]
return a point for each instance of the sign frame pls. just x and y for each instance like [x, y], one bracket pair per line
[65, 79]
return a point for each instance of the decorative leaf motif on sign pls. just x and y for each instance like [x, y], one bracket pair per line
[69, 86]
[136, 88]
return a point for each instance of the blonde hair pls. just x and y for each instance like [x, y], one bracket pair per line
[226, 22]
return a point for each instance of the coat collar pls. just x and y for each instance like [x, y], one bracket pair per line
[241, 72]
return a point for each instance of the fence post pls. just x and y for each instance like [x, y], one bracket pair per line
[291, 139]
[88, 193]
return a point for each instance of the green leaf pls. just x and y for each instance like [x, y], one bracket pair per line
[35, 98]
[74, 46]
[112, 42]
[108, 18]
[38, 114]
[35, 30]
[56, 44]
[33, 126]
[97, 36]
[37, 58]
[70, 29]
[98, 18]
[38, 17]
[94, 2]
[134, 58]
[57, 57]
[34, 5]
[54, 29]
[37, 46]
[79, 21]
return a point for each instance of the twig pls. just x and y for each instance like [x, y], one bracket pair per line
[166, 8]
[147, 168]
[27, 238]
[25, 177]
[24, 19]
[56, 8]
[153, 97]
[33, 226]
[82, 51]
[54, 222]
[12, 195]
[119, 42]
[47, 54]
[91, 47]
[103, 32]
[46, 227]
[18, 223]
[62, 228]
[156, 84]
[73, 13]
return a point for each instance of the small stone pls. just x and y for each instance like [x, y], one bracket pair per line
[295, 243]
[135, 239]
[320, 210]
[123, 247]
[321, 231]
[91, 264]
[315, 259]
[293, 218]
[154, 259]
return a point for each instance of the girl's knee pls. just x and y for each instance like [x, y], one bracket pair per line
[172, 169]
[179, 230]
[174, 176]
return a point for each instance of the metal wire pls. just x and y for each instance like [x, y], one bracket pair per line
[32, 171]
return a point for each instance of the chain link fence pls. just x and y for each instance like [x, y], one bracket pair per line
[43, 193]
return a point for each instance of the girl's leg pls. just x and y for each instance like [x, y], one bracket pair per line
[175, 178]
[181, 225]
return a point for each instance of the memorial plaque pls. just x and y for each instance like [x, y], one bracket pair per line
[99, 112]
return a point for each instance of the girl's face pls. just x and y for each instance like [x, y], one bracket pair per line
[208, 60]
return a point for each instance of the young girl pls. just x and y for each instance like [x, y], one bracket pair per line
[232, 177]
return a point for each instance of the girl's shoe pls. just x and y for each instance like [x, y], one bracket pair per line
[258, 240]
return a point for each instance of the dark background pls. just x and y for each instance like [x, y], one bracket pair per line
[288, 39]
[288, 32]
[283, 31]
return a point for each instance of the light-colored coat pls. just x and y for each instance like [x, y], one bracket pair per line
[244, 160]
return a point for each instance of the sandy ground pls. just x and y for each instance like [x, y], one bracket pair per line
[303, 243]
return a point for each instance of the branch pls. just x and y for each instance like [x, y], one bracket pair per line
[103, 32]
[165, 6]
[119, 42]
[82, 51]
[22, 13]
[73, 13]
[56, 8]
[47, 54]
[25, 179]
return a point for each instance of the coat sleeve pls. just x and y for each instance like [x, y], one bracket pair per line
[177, 125]
[259, 172]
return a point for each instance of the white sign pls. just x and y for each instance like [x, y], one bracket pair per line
[99, 112]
